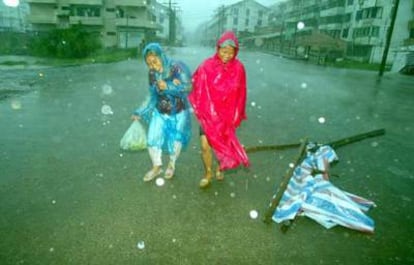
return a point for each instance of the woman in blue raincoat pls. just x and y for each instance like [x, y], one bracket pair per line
[167, 111]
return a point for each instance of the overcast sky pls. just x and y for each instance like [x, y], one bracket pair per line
[194, 12]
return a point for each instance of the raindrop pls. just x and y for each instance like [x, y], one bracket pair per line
[11, 3]
[41, 74]
[141, 245]
[174, 196]
[267, 179]
[216, 193]
[53, 202]
[159, 181]
[374, 144]
[258, 42]
[232, 194]
[106, 89]
[300, 25]
[51, 249]
[16, 105]
[304, 85]
[121, 155]
[258, 61]
[291, 165]
[253, 104]
[321, 120]
[253, 214]
[107, 110]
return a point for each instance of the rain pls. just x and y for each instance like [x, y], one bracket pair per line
[71, 194]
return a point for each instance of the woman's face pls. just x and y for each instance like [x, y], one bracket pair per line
[226, 53]
[154, 62]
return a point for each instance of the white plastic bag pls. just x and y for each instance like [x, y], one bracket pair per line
[135, 138]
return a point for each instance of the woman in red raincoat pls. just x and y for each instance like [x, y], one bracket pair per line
[219, 102]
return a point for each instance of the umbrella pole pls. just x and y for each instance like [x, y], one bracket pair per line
[282, 187]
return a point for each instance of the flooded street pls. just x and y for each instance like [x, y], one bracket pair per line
[71, 196]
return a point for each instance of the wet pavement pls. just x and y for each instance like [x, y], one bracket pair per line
[71, 196]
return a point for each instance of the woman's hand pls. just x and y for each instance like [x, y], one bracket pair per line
[135, 117]
[162, 85]
[176, 82]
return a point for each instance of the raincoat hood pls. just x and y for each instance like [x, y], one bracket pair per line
[230, 37]
[157, 50]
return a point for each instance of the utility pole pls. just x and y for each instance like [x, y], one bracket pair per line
[171, 23]
[389, 35]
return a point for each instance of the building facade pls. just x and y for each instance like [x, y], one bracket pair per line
[242, 17]
[118, 23]
[13, 18]
[355, 29]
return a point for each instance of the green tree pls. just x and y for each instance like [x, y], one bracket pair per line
[74, 42]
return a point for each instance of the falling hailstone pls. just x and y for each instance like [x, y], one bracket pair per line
[16, 105]
[141, 245]
[253, 214]
[159, 181]
[321, 120]
[107, 110]
[106, 89]
[300, 25]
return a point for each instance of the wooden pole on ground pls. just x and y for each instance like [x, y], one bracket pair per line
[282, 187]
[334, 144]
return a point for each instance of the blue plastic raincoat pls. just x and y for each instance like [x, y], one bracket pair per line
[167, 111]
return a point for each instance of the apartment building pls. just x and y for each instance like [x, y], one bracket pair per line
[242, 17]
[118, 23]
[355, 28]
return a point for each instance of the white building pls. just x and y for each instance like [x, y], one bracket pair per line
[242, 17]
[14, 18]
[118, 23]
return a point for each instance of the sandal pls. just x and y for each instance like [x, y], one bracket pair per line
[152, 174]
[204, 183]
[219, 175]
[169, 173]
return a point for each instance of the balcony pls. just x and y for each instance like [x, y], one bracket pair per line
[331, 26]
[136, 3]
[367, 40]
[42, 1]
[135, 23]
[81, 2]
[37, 19]
[88, 21]
[333, 11]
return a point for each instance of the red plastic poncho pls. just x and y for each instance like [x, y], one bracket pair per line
[219, 101]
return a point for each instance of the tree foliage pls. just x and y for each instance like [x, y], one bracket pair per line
[74, 42]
